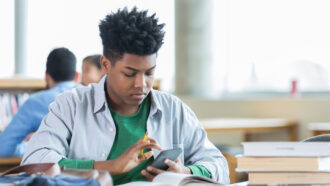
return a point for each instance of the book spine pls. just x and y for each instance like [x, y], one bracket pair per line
[289, 149]
[9, 105]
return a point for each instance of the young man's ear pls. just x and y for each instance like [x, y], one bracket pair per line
[105, 64]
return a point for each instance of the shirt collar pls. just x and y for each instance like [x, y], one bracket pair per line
[99, 94]
[100, 99]
[64, 84]
[155, 103]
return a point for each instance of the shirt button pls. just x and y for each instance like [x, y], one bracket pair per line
[111, 129]
[103, 154]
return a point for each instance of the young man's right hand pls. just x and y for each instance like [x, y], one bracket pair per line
[129, 159]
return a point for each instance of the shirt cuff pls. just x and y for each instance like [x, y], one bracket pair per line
[76, 164]
[199, 170]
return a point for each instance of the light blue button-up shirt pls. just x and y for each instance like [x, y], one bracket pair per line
[28, 119]
[80, 126]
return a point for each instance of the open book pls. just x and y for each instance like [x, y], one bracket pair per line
[175, 179]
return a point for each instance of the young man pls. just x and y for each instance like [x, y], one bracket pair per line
[60, 76]
[102, 126]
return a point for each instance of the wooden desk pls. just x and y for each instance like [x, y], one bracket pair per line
[251, 126]
[7, 163]
[319, 128]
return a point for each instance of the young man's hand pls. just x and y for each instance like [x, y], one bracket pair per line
[130, 158]
[174, 166]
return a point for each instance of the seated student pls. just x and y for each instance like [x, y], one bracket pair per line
[60, 76]
[91, 70]
[102, 126]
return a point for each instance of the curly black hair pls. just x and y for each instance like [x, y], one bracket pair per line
[132, 32]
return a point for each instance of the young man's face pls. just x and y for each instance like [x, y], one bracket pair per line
[130, 78]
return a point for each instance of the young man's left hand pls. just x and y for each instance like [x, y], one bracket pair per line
[174, 166]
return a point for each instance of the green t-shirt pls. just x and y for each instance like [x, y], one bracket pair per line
[129, 129]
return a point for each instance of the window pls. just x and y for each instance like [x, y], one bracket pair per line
[74, 24]
[7, 38]
[264, 45]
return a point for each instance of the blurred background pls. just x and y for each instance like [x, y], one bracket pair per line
[224, 58]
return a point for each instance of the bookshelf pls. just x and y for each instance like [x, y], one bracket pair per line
[13, 92]
[21, 83]
[16, 85]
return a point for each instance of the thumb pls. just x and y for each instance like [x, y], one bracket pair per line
[170, 163]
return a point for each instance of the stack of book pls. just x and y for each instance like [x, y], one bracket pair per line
[286, 162]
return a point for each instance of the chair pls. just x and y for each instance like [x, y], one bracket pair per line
[319, 138]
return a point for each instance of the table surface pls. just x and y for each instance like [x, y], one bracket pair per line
[249, 126]
[319, 126]
[245, 122]
[10, 161]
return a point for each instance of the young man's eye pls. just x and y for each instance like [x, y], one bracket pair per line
[150, 73]
[129, 75]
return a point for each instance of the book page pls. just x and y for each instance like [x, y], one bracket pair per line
[170, 178]
[174, 179]
[144, 183]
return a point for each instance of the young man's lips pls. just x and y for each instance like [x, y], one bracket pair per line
[138, 96]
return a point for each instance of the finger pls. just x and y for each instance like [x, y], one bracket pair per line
[146, 145]
[152, 140]
[154, 170]
[152, 146]
[170, 163]
[146, 156]
[149, 139]
[147, 175]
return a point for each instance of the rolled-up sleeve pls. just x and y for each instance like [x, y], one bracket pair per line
[51, 142]
[200, 151]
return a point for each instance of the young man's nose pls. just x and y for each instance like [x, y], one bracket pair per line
[140, 81]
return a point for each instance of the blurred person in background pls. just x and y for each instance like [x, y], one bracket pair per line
[92, 72]
[60, 76]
